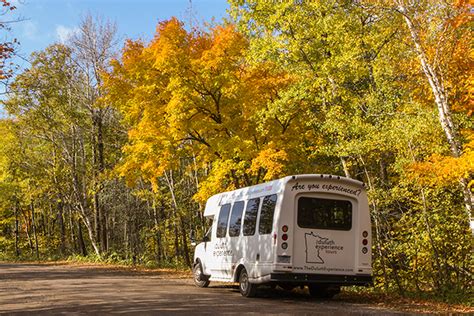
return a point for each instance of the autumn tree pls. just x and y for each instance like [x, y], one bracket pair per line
[7, 48]
[45, 100]
[191, 93]
[439, 38]
[199, 114]
[93, 47]
[368, 111]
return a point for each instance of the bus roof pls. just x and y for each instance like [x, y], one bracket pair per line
[267, 188]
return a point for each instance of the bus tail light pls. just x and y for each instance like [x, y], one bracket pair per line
[365, 242]
[284, 237]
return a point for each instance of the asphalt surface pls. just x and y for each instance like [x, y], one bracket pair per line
[30, 289]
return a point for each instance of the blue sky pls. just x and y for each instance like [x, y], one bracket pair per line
[48, 21]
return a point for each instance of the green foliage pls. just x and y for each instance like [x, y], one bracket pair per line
[368, 108]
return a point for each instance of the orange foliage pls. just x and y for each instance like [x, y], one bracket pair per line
[442, 171]
[193, 92]
[7, 48]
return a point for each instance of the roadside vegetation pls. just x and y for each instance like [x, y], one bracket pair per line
[109, 153]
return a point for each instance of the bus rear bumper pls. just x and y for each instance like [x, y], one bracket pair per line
[305, 278]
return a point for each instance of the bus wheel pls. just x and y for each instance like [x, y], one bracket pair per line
[246, 288]
[200, 279]
[323, 291]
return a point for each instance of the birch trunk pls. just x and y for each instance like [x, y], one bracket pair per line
[441, 100]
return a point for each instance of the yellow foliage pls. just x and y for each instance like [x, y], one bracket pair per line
[193, 92]
[272, 160]
[441, 170]
[218, 180]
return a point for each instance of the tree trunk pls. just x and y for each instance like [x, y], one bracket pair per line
[90, 232]
[71, 230]
[101, 165]
[17, 232]
[96, 208]
[62, 228]
[33, 223]
[184, 237]
[100, 218]
[81, 200]
[157, 233]
[170, 182]
[441, 100]
[378, 233]
[344, 166]
[126, 242]
[80, 239]
[436, 256]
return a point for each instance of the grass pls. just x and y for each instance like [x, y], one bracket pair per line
[410, 302]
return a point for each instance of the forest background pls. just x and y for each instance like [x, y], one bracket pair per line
[111, 155]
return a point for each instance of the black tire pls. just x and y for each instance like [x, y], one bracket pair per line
[200, 279]
[246, 288]
[323, 291]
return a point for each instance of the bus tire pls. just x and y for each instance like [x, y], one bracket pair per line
[323, 291]
[200, 279]
[246, 288]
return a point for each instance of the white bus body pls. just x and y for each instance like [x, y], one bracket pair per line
[300, 230]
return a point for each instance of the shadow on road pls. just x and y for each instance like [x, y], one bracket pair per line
[47, 272]
[33, 289]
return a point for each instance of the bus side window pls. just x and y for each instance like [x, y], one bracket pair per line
[250, 219]
[266, 214]
[222, 221]
[236, 219]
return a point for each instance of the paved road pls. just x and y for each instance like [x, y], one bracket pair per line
[31, 289]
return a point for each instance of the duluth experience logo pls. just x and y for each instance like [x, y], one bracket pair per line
[316, 246]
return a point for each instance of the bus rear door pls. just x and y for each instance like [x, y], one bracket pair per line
[325, 227]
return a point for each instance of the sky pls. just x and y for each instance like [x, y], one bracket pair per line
[44, 22]
[49, 21]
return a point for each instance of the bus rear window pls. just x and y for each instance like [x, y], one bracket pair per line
[318, 213]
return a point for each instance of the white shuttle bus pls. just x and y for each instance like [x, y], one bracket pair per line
[305, 230]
